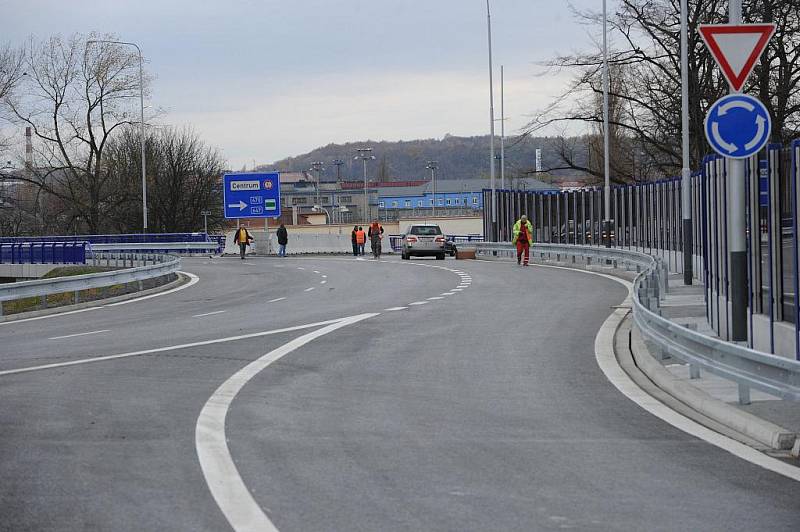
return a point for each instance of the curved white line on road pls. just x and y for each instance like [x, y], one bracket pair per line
[607, 360]
[193, 280]
[162, 349]
[226, 485]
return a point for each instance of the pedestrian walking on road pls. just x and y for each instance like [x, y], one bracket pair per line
[375, 235]
[361, 238]
[283, 239]
[354, 240]
[243, 238]
[523, 239]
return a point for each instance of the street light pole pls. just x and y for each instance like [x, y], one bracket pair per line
[365, 154]
[316, 166]
[606, 150]
[686, 173]
[493, 208]
[502, 132]
[141, 123]
[432, 166]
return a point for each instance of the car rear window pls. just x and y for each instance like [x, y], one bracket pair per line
[426, 230]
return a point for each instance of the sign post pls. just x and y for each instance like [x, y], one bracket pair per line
[252, 195]
[737, 126]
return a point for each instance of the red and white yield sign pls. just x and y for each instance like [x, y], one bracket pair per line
[736, 48]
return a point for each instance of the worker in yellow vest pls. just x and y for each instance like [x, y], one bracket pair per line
[243, 238]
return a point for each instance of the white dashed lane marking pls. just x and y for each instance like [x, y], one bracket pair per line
[78, 334]
[309, 289]
[209, 313]
[276, 300]
[393, 309]
[417, 303]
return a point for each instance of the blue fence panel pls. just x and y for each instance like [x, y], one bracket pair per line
[43, 252]
[114, 239]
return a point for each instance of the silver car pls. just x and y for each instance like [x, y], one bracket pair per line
[423, 240]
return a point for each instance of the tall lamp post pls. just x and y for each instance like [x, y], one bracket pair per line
[365, 154]
[606, 150]
[141, 122]
[432, 166]
[338, 164]
[686, 173]
[493, 207]
[317, 167]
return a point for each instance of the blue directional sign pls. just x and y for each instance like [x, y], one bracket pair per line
[738, 126]
[252, 195]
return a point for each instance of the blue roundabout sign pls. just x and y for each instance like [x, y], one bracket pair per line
[738, 126]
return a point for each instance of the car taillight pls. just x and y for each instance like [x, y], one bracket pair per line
[440, 239]
[411, 239]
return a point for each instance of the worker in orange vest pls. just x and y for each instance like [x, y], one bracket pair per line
[361, 239]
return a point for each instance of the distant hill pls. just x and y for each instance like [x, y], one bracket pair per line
[458, 158]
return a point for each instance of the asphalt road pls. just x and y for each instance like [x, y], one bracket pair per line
[481, 410]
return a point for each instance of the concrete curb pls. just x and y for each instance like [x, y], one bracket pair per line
[760, 430]
[181, 280]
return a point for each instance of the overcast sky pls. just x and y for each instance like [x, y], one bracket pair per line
[266, 79]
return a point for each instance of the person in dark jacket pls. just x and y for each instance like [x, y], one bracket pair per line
[243, 238]
[354, 240]
[283, 239]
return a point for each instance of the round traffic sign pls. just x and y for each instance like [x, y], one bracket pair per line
[738, 126]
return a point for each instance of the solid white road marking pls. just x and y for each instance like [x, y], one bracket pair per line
[309, 289]
[51, 316]
[393, 309]
[168, 348]
[78, 334]
[417, 303]
[209, 313]
[193, 279]
[607, 360]
[223, 479]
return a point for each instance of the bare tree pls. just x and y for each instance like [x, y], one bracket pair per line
[184, 180]
[11, 71]
[647, 57]
[74, 97]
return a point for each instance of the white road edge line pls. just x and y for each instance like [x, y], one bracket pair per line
[78, 334]
[223, 479]
[163, 349]
[393, 309]
[193, 280]
[51, 315]
[607, 360]
[210, 313]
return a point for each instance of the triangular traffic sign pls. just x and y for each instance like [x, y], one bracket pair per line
[736, 48]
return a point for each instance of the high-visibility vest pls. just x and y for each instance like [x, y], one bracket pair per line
[242, 236]
[361, 236]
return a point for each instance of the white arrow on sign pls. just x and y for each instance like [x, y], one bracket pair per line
[242, 205]
[736, 104]
[762, 127]
[722, 142]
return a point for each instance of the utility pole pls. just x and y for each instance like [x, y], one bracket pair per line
[432, 166]
[502, 132]
[365, 154]
[338, 164]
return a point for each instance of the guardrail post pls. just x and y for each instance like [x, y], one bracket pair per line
[76, 296]
[694, 371]
[42, 302]
[744, 394]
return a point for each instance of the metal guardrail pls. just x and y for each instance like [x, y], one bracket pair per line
[44, 252]
[158, 247]
[772, 374]
[112, 239]
[160, 265]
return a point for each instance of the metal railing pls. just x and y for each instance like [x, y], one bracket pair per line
[44, 252]
[772, 374]
[135, 267]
